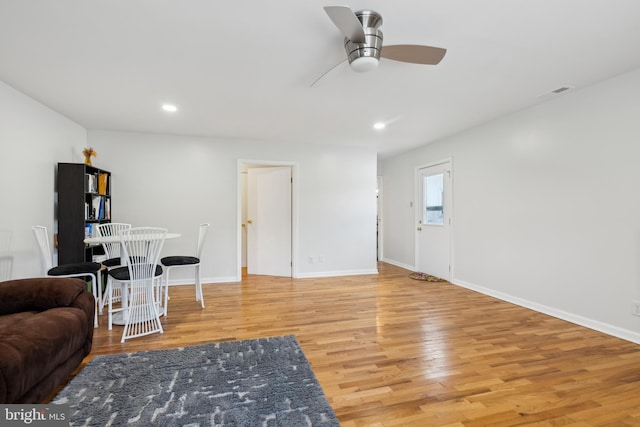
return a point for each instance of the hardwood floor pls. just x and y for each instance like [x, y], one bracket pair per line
[392, 351]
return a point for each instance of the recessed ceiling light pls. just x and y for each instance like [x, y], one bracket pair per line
[169, 108]
[379, 126]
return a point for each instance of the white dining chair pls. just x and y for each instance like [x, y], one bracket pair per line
[141, 302]
[81, 269]
[170, 262]
[112, 252]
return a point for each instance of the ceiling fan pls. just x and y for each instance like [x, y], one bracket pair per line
[363, 41]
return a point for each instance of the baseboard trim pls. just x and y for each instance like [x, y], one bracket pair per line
[204, 280]
[399, 264]
[606, 328]
[335, 273]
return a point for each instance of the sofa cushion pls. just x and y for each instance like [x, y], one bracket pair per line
[39, 294]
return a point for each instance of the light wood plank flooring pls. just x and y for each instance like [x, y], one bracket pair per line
[392, 351]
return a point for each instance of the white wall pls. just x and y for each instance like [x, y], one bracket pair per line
[179, 182]
[546, 206]
[33, 139]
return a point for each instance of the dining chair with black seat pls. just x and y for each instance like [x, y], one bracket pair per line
[85, 270]
[141, 303]
[112, 252]
[170, 262]
[119, 277]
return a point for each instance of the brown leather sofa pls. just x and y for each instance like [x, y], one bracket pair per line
[46, 329]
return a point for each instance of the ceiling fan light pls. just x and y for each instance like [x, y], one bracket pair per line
[364, 64]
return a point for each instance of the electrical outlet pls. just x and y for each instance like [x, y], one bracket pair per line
[320, 258]
[635, 308]
[310, 260]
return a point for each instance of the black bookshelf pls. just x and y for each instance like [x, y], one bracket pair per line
[84, 201]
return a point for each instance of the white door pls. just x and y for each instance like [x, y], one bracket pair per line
[433, 218]
[269, 221]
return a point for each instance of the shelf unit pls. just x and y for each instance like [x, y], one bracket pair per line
[84, 201]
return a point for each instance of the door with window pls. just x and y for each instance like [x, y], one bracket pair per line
[433, 220]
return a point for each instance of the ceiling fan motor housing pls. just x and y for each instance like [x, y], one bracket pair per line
[365, 56]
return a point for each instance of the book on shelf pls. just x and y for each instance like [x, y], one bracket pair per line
[96, 203]
[103, 183]
[90, 183]
[88, 230]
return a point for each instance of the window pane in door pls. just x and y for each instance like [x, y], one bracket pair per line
[433, 197]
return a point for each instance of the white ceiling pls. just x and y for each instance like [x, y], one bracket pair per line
[243, 69]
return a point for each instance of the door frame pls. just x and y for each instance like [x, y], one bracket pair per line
[418, 197]
[379, 215]
[246, 163]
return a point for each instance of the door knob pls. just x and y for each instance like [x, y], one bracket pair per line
[419, 228]
[249, 221]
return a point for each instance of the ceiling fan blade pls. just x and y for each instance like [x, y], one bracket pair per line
[327, 72]
[413, 53]
[347, 22]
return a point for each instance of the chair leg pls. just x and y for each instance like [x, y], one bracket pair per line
[199, 296]
[105, 295]
[94, 286]
[158, 291]
[103, 301]
[99, 285]
[109, 295]
[166, 292]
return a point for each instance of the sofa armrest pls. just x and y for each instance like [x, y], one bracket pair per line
[40, 294]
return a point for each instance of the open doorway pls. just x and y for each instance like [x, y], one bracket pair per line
[266, 217]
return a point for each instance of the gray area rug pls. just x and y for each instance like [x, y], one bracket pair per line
[262, 382]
